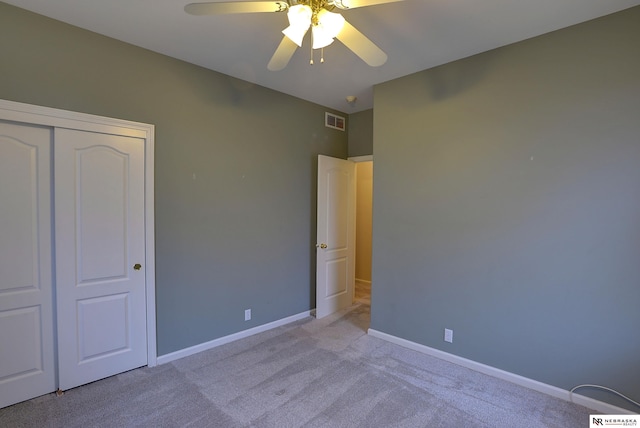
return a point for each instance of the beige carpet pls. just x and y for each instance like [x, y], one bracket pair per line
[362, 293]
[313, 373]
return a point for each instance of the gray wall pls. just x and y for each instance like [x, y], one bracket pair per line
[507, 207]
[239, 236]
[360, 127]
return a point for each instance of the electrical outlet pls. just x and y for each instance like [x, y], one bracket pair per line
[247, 314]
[448, 335]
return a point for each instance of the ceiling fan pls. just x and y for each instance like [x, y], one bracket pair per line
[319, 15]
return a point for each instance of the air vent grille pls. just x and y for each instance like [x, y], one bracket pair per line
[333, 121]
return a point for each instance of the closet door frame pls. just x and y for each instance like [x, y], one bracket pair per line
[56, 118]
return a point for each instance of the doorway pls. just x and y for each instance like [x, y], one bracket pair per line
[338, 284]
[364, 205]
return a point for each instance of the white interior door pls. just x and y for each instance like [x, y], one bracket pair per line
[335, 248]
[100, 255]
[26, 305]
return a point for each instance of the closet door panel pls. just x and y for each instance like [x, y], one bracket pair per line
[26, 305]
[100, 250]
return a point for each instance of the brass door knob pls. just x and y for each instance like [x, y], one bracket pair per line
[323, 246]
[137, 266]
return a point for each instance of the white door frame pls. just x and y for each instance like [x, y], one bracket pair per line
[365, 158]
[46, 116]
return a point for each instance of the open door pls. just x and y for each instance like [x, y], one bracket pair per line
[335, 245]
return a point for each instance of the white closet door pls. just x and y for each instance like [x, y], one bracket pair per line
[100, 253]
[26, 319]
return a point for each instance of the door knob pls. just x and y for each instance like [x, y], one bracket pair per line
[137, 266]
[323, 246]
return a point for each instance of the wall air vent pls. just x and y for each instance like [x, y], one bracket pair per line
[333, 121]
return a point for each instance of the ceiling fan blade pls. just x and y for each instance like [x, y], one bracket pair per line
[351, 4]
[282, 55]
[215, 8]
[360, 45]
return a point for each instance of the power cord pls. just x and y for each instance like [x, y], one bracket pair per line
[606, 389]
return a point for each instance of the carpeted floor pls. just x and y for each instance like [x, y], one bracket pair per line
[312, 373]
[362, 293]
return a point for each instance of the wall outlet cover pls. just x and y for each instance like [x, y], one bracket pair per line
[448, 335]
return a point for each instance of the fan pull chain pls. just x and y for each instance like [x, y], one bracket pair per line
[321, 55]
[311, 53]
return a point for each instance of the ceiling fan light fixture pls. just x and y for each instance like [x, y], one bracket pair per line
[320, 38]
[326, 28]
[300, 15]
[299, 22]
[295, 34]
[331, 23]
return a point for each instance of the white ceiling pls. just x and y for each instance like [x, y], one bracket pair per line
[415, 34]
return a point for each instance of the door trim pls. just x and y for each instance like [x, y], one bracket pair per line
[365, 158]
[47, 116]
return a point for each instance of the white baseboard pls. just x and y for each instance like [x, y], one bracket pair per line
[166, 358]
[553, 391]
[363, 281]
